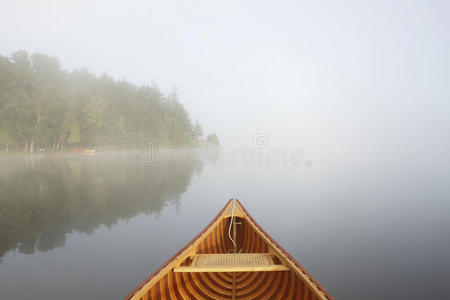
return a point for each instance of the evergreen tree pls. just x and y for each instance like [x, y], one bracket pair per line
[42, 106]
[213, 139]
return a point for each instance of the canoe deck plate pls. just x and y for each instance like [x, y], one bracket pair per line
[236, 262]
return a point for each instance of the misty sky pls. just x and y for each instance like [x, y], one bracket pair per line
[327, 74]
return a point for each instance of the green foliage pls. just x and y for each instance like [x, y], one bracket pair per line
[197, 131]
[213, 139]
[5, 137]
[39, 104]
[74, 137]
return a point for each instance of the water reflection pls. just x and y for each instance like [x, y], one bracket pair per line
[44, 197]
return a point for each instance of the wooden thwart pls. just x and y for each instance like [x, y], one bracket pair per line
[236, 262]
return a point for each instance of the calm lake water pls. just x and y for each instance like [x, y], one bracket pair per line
[365, 224]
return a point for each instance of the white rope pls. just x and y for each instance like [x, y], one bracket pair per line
[231, 223]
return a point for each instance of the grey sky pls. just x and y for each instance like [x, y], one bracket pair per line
[305, 73]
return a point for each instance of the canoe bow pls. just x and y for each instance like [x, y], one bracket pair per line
[207, 268]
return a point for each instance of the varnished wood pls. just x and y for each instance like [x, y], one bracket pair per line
[238, 212]
[193, 273]
[238, 262]
[233, 291]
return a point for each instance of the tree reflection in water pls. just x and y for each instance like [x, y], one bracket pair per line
[44, 197]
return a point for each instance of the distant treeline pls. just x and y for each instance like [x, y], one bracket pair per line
[46, 108]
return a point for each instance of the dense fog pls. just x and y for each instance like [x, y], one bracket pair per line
[305, 74]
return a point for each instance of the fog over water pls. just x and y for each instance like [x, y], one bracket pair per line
[93, 227]
[308, 74]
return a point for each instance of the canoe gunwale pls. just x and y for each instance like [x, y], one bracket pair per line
[293, 260]
[306, 274]
[150, 277]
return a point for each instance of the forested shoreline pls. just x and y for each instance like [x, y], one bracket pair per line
[45, 108]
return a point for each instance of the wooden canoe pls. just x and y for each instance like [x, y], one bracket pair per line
[211, 266]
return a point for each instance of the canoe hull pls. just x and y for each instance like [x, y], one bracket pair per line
[295, 283]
